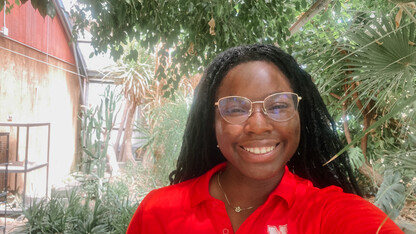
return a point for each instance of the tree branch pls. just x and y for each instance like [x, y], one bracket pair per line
[317, 7]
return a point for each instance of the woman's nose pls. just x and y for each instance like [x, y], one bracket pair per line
[258, 122]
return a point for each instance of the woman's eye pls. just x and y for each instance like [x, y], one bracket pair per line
[278, 106]
[236, 111]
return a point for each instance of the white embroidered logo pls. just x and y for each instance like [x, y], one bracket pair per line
[282, 229]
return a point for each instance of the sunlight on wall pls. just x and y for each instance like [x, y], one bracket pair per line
[63, 123]
[34, 92]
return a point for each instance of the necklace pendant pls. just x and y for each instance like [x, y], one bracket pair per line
[237, 209]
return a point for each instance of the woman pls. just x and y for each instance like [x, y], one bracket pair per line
[256, 138]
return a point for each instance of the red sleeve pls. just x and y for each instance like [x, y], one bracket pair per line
[136, 222]
[348, 213]
[144, 221]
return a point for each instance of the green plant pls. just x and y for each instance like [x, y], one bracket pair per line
[45, 8]
[76, 212]
[165, 123]
[140, 180]
[391, 195]
[41, 219]
[121, 206]
[97, 123]
[191, 35]
[367, 75]
[356, 157]
[48, 215]
[403, 162]
[373, 73]
[135, 78]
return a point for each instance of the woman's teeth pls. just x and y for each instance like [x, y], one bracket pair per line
[259, 150]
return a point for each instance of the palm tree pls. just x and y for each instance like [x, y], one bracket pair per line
[136, 78]
[377, 71]
[371, 70]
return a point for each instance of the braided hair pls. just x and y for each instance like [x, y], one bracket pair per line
[318, 139]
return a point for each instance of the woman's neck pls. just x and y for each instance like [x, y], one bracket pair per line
[240, 194]
[244, 191]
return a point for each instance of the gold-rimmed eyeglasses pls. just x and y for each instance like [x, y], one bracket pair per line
[278, 107]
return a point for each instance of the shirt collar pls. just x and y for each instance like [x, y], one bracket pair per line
[201, 186]
[288, 186]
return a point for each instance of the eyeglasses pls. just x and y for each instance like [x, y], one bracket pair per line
[278, 106]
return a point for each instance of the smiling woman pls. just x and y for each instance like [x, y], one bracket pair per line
[251, 161]
[259, 147]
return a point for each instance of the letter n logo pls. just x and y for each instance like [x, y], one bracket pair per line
[282, 229]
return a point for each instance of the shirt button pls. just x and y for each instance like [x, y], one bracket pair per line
[225, 231]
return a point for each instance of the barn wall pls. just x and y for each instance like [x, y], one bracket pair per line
[39, 83]
[27, 26]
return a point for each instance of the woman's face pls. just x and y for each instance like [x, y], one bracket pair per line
[260, 147]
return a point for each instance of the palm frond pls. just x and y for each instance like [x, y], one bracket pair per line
[397, 109]
[383, 60]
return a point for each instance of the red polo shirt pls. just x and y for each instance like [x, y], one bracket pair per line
[295, 206]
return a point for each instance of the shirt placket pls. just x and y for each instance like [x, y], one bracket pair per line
[220, 220]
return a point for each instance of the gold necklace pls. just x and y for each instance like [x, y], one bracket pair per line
[237, 209]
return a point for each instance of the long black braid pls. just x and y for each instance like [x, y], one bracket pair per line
[318, 142]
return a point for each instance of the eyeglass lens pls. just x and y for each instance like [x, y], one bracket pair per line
[279, 107]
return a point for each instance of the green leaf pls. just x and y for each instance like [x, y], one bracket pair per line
[325, 15]
[337, 6]
[391, 195]
[280, 9]
[297, 6]
[356, 157]
[304, 3]
[50, 9]
[41, 6]
[133, 55]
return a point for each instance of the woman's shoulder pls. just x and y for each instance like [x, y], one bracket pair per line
[172, 195]
[162, 206]
[182, 195]
[333, 209]
[329, 198]
[305, 189]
